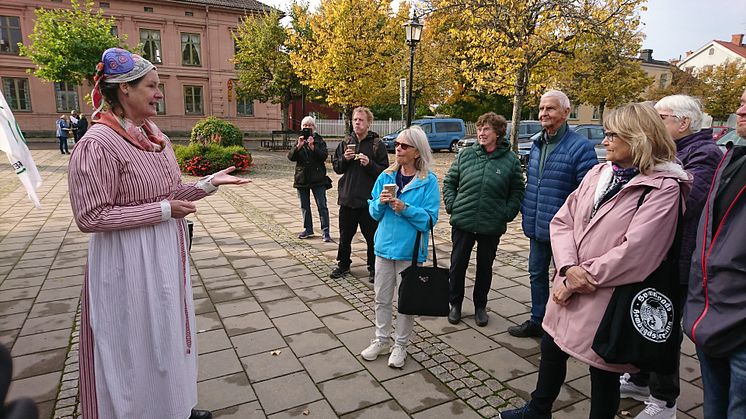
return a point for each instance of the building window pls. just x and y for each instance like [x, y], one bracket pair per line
[148, 9]
[711, 51]
[663, 80]
[10, 34]
[114, 31]
[103, 5]
[187, 13]
[595, 112]
[574, 112]
[151, 45]
[160, 107]
[66, 96]
[190, 49]
[193, 100]
[16, 92]
[244, 106]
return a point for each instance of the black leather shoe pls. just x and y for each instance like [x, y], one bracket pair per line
[455, 315]
[481, 316]
[200, 414]
[528, 329]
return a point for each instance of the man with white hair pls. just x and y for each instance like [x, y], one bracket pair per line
[699, 155]
[558, 161]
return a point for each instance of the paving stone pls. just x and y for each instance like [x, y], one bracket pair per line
[278, 308]
[330, 364]
[257, 342]
[229, 294]
[346, 321]
[296, 323]
[213, 340]
[48, 323]
[503, 364]
[353, 392]
[469, 341]
[223, 392]
[38, 363]
[19, 294]
[255, 272]
[418, 391]
[246, 323]
[41, 342]
[217, 364]
[453, 409]
[251, 410]
[39, 387]
[327, 306]
[208, 321]
[266, 365]
[316, 410]
[313, 341]
[388, 410]
[273, 293]
[303, 281]
[54, 307]
[315, 293]
[286, 392]
[12, 321]
[236, 307]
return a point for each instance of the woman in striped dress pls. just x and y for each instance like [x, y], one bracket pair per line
[138, 357]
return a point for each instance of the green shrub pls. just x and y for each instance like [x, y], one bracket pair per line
[212, 130]
[200, 160]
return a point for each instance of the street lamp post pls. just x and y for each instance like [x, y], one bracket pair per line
[414, 32]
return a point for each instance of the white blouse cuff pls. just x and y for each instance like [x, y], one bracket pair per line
[165, 210]
[206, 185]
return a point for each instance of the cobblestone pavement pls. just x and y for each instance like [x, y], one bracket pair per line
[277, 337]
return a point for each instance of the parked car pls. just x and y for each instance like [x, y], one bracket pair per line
[593, 132]
[442, 133]
[719, 131]
[526, 129]
[729, 140]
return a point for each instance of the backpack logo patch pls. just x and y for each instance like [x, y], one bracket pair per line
[652, 315]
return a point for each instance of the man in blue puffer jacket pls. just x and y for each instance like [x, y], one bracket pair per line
[558, 161]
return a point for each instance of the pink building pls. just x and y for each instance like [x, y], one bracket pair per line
[190, 41]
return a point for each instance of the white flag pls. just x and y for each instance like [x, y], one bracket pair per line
[14, 145]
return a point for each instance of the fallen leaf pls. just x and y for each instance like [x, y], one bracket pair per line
[276, 352]
[306, 412]
[625, 413]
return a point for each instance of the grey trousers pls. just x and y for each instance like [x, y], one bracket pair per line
[386, 287]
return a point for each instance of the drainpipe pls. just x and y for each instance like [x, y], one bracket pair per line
[209, 61]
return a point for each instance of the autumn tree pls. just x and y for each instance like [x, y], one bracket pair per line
[264, 69]
[66, 44]
[511, 46]
[605, 74]
[348, 51]
[724, 85]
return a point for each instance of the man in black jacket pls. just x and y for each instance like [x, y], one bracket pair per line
[359, 158]
[715, 311]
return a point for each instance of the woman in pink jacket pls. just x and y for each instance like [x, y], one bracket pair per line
[601, 240]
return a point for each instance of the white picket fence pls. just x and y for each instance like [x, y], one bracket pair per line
[336, 127]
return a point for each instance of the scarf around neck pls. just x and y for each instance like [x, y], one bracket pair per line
[146, 137]
[619, 177]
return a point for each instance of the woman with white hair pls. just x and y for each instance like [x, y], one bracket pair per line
[400, 215]
[309, 155]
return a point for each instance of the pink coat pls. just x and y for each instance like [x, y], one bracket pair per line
[621, 244]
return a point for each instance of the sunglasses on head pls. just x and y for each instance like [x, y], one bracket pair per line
[404, 146]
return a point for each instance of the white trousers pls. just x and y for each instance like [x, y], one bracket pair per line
[386, 287]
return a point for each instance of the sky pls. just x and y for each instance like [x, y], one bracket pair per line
[672, 27]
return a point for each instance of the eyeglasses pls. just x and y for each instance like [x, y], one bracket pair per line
[664, 116]
[610, 135]
[404, 146]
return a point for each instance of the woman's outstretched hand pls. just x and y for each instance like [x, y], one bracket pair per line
[224, 178]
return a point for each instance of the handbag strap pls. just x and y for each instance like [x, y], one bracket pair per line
[416, 250]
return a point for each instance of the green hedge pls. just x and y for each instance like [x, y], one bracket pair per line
[200, 160]
[212, 130]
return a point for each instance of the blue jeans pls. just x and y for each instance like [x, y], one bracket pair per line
[724, 382]
[319, 194]
[539, 258]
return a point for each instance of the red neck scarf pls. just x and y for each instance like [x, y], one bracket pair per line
[147, 138]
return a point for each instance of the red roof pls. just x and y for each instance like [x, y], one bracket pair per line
[738, 49]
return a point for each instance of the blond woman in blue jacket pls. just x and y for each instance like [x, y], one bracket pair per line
[412, 207]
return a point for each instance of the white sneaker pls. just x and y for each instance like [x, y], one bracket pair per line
[656, 409]
[397, 357]
[376, 348]
[630, 390]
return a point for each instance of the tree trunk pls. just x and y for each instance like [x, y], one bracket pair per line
[348, 119]
[601, 108]
[519, 93]
[285, 111]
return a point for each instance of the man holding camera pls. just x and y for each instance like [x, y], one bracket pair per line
[309, 155]
[359, 158]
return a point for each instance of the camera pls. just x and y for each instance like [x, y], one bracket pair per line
[306, 132]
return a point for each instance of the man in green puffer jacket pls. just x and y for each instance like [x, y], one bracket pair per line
[482, 192]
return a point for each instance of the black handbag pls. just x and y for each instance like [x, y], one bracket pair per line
[641, 325]
[423, 290]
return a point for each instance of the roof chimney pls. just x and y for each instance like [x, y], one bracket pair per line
[646, 55]
[737, 38]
